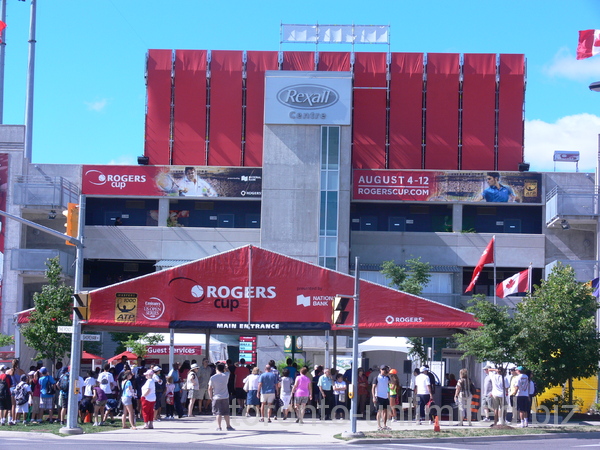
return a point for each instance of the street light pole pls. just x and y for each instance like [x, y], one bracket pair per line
[72, 407]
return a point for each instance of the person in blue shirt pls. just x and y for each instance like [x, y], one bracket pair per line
[325, 385]
[46, 399]
[496, 192]
[268, 385]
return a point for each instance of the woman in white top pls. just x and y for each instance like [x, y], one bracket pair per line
[127, 394]
[251, 387]
[285, 392]
[148, 399]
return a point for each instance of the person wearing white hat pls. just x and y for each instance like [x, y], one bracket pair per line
[5, 400]
[423, 392]
[193, 388]
[148, 400]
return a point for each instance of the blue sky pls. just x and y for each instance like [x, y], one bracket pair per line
[90, 54]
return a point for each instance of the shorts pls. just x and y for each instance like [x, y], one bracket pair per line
[383, 402]
[63, 400]
[126, 401]
[101, 403]
[86, 406]
[267, 398]
[46, 403]
[486, 402]
[286, 398]
[24, 408]
[301, 400]
[35, 405]
[194, 394]
[523, 403]
[497, 402]
[220, 407]
[240, 393]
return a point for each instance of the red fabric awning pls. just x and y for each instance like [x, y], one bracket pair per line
[86, 355]
[251, 289]
[117, 358]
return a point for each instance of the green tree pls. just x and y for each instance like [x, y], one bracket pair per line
[53, 308]
[139, 344]
[494, 341]
[557, 336]
[6, 339]
[411, 278]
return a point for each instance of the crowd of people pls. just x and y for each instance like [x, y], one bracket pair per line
[141, 391]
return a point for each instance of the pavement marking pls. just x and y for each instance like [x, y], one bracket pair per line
[588, 445]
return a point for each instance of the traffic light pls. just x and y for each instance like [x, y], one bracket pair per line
[340, 315]
[72, 221]
[81, 308]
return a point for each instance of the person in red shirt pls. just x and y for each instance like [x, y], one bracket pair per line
[5, 398]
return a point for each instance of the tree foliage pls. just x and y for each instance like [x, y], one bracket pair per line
[6, 339]
[411, 278]
[53, 308]
[494, 341]
[557, 337]
[139, 344]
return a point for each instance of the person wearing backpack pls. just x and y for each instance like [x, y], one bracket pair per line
[47, 391]
[462, 397]
[63, 395]
[21, 395]
[5, 398]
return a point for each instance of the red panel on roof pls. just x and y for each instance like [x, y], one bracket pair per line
[256, 65]
[370, 70]
[158, 113]
[369, 129]
[334, 61]
[298, 60]
[406, 111]
[510, 116]
[225, 134]
[189, 112]
[479, 112]
[441, 115]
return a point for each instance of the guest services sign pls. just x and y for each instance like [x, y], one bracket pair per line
[308, 98]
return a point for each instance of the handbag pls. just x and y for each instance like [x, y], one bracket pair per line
[246, 386]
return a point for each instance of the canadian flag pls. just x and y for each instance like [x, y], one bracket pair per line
[517, 283]
[589, 43]
[486, 258]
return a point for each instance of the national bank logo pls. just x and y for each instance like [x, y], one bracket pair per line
[307, 96]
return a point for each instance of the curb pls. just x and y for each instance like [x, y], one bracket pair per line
[470, 439]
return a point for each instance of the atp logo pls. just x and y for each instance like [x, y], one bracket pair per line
[302, 300]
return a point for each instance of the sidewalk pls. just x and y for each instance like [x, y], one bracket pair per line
[202, 429]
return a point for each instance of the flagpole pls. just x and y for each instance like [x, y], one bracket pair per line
[2, 58]
[495, 282]
[530, 281]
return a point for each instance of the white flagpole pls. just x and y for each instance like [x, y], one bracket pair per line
[495, 282]
[529, 280]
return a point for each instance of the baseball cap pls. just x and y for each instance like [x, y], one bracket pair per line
[194, 366]
[424, 368]
[384, 367]
[156, 368]
[520, 368]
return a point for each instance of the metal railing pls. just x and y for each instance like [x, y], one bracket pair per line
[40, 191]
[34, 260]
[571, 201]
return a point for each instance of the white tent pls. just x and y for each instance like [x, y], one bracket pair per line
[391, 344]
[218, 349]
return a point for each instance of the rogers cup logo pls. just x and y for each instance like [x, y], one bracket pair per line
[307, 96]
[98, 178]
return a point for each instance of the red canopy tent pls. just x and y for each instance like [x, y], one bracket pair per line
[89, 357]
[117, 358]
[250, 289]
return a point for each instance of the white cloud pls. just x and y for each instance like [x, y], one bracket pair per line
[565, 65]
[98, 105]
[574, 133]
[123, 160]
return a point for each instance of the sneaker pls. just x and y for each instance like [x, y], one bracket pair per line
[269, 421]
[418, 422]
[230, 428]
[387, 428]
[431, 422]
[95, 424]
[219, 429]
[486, 419]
